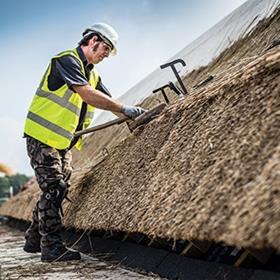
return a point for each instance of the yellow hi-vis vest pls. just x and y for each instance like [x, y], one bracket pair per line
[54, 115]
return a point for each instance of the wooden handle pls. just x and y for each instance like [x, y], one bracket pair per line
[142, 119]
[101, 126]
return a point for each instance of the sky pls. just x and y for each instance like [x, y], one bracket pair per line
[32, 31]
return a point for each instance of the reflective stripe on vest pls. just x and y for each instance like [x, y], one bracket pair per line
[57, 129]
[54, 115]
[62, 101]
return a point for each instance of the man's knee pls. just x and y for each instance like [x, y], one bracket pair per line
[53, 193]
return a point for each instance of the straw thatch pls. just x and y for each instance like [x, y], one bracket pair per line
[208, 168]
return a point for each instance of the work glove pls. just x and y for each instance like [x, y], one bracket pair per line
[132, 112]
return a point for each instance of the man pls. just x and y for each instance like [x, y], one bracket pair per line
[64, 103]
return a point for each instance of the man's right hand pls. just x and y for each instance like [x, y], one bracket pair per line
[132, 112]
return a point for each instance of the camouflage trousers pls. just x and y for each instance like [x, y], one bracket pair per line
[52, 169]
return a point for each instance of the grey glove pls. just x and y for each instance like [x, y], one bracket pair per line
[132, 111]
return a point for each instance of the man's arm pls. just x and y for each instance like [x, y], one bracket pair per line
[69, 70]
[97, 99]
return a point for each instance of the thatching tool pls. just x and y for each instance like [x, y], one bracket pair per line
[141, 120]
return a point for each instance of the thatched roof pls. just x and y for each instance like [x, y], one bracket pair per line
[208, 168]
[21, 205]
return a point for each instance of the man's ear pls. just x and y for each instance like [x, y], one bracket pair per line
[93, 39]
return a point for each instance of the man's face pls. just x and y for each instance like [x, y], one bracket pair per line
[99, 50]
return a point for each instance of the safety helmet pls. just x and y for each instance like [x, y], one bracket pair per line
[106, 32]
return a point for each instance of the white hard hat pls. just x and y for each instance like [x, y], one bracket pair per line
[106, 32]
